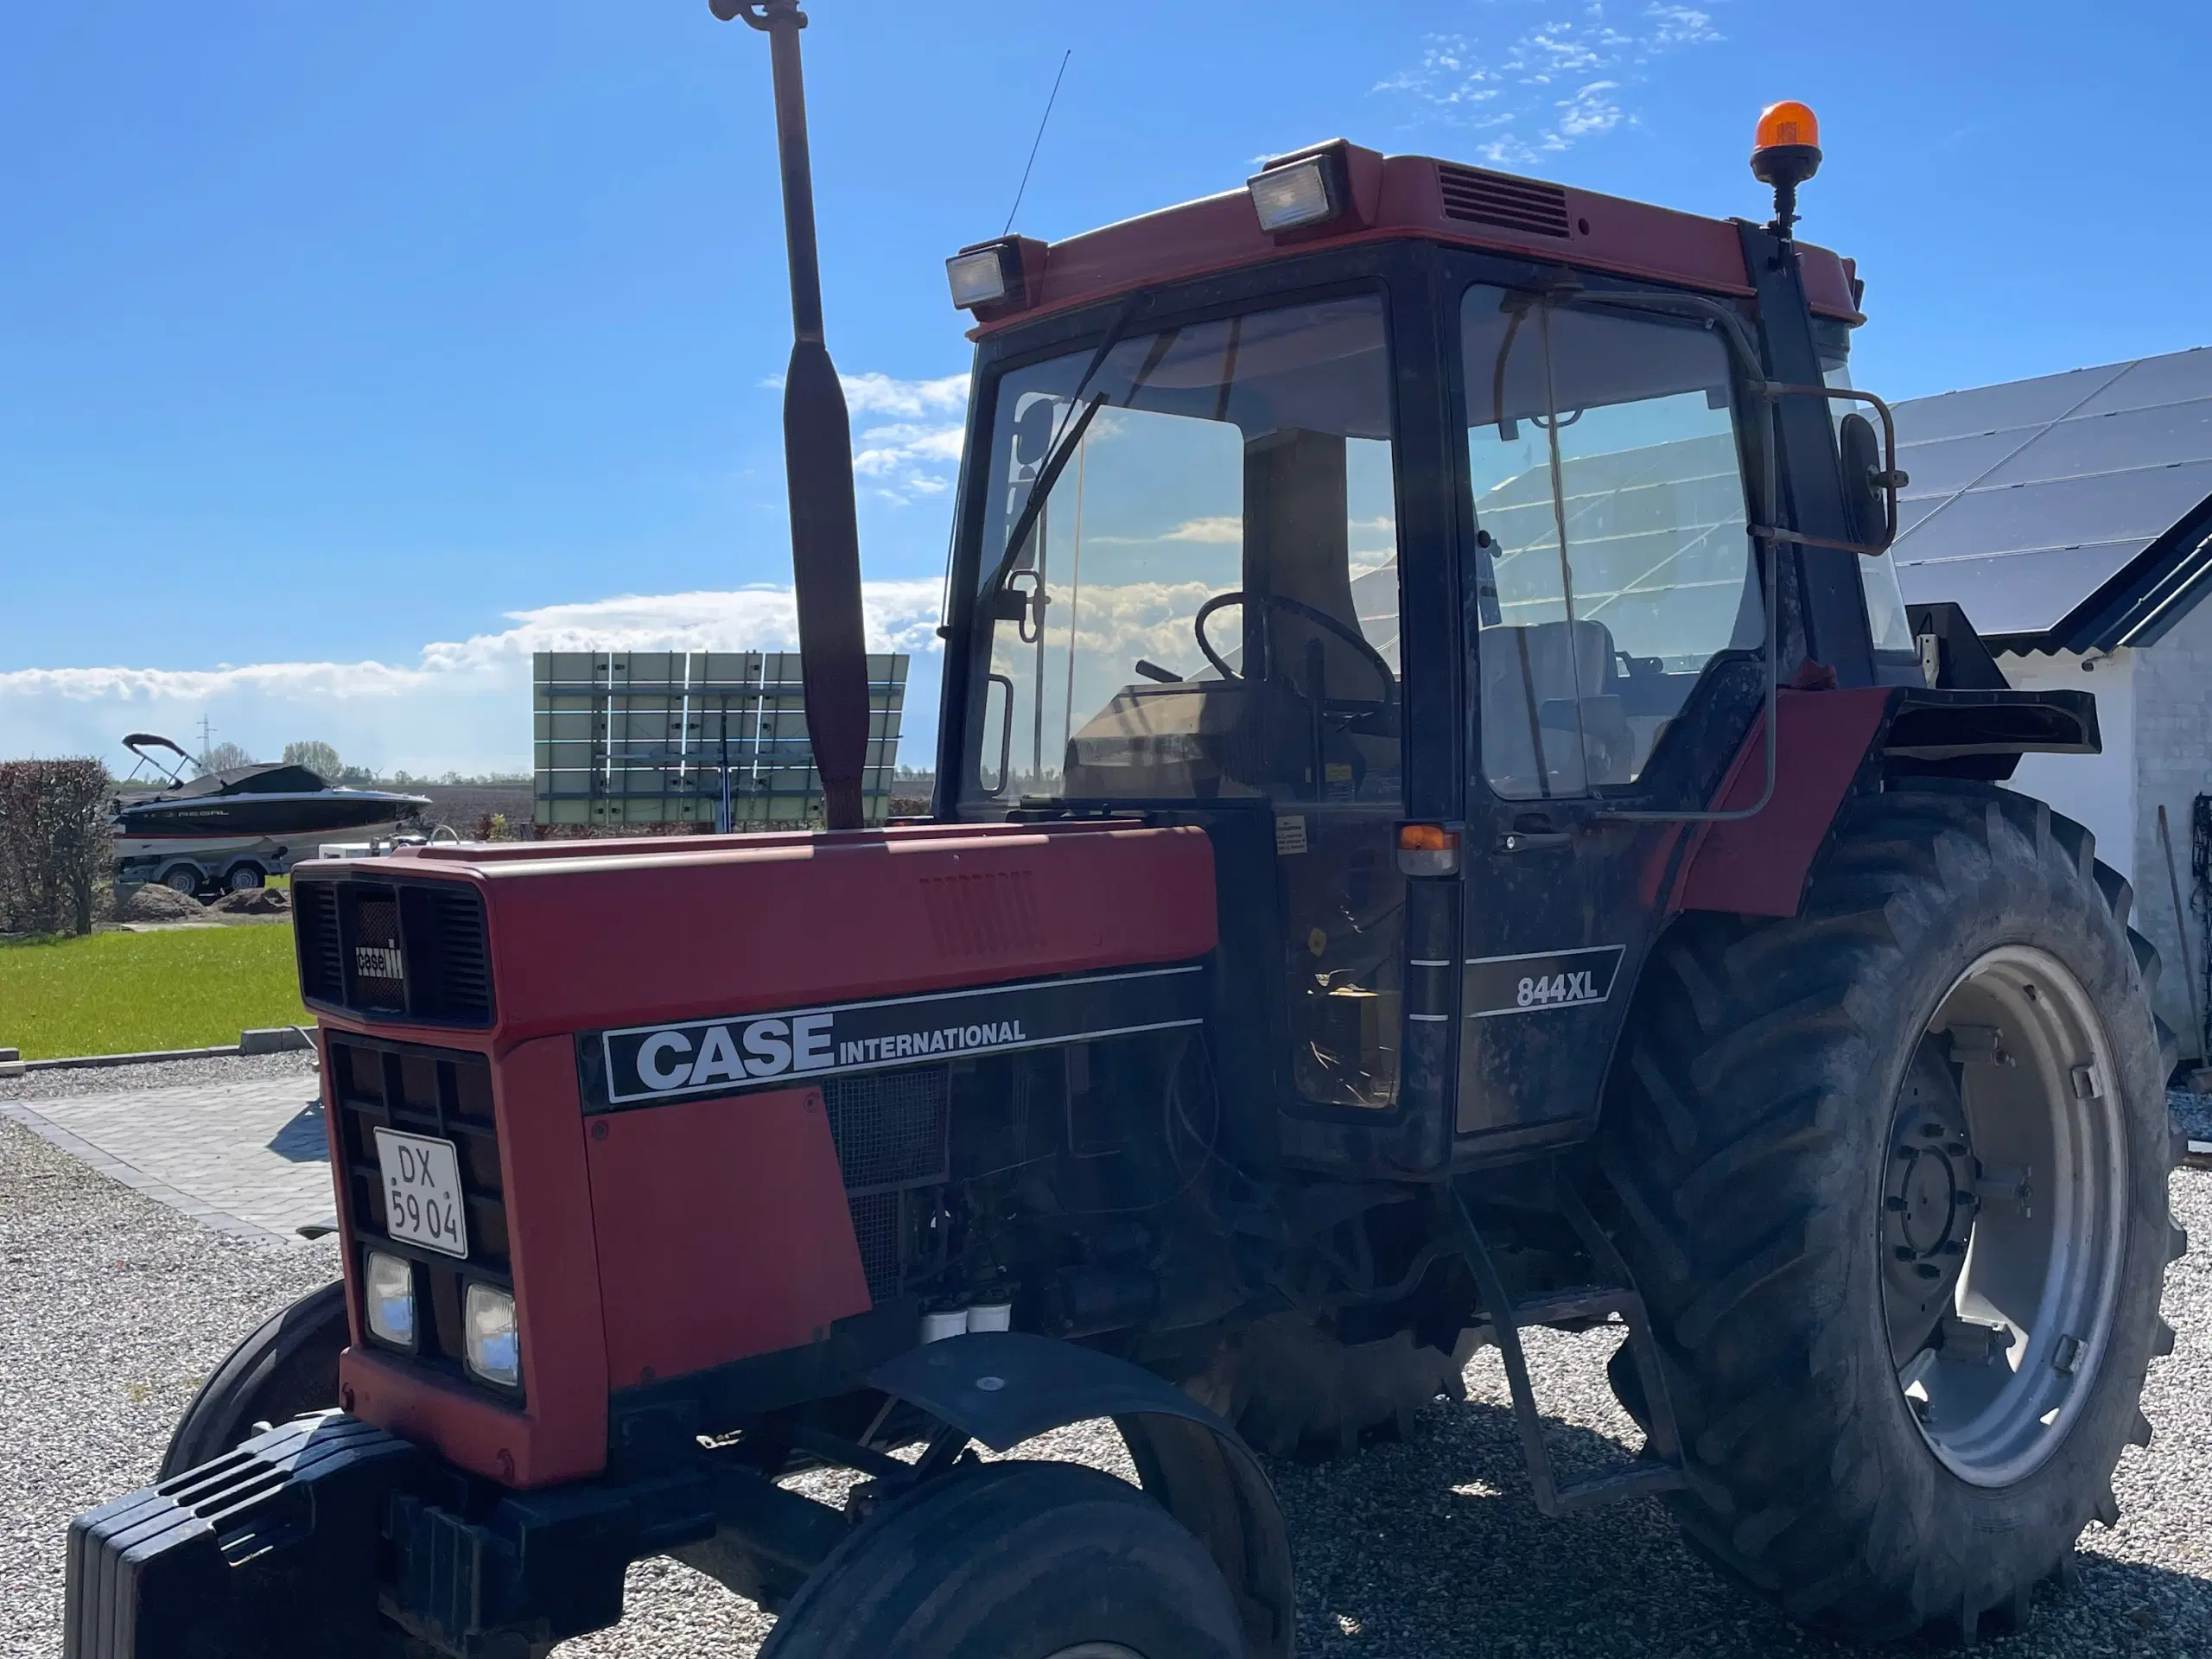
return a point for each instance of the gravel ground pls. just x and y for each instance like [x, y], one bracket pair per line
[112, 1307]
[59, 1084]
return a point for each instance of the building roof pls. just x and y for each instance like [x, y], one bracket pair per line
[2068, 512]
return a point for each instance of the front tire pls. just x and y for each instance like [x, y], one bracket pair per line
[1901, 1394]
[287, 1367]
[1015, 1560]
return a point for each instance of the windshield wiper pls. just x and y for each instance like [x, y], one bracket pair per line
[1063, 446]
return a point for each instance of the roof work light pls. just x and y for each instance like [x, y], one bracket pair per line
[979, 276]
[1785, 152]
[1290, 195]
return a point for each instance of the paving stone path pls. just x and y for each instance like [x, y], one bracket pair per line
[246, 1158]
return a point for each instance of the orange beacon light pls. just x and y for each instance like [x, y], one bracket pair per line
[1785, 152]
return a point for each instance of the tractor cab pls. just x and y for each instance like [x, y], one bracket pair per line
[1392, 520]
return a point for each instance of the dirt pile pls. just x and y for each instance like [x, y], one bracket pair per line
[155, 903]
[254, 901]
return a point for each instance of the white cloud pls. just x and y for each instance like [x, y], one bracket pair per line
[463, 704]
[1542, 87]
[908, 459]
[911, 456]
[1226, 528]
[1681, 26]
[879, 394]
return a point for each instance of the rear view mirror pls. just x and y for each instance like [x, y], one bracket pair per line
[1872, 478]
[1032, 432]
[1869, 499]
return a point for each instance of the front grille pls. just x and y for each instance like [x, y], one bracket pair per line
[416, 950]
[879, 1226]
[889, 1128]
[314, 929]
[446, 1093]
[378, 978]
[1499, 200]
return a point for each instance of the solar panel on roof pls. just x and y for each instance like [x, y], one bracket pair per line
[2007, 408]
[2026, 499]
[2028, 592]
[1949, 464]
[2132, 440]
[2176, 377]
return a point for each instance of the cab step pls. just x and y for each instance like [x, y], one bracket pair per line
[1659, 1468]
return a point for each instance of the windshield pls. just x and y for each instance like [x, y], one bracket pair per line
[1206, 603]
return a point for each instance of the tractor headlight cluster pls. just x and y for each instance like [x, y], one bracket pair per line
[389, 1297]
[494, 1338]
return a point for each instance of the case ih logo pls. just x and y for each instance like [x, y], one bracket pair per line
[646, 1064]
[377, 961]
[804, 1042]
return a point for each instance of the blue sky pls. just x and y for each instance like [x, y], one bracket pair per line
[348, 352]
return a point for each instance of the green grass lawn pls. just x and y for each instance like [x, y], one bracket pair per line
[122, 993]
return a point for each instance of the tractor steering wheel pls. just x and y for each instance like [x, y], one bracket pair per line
[1320, 620]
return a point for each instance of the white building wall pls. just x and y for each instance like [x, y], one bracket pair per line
[2173, 766]
[2154, 705]
[2096, 790]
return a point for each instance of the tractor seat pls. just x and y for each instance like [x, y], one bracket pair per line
[1540, 685]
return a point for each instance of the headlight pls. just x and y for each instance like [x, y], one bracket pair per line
[979, 276]
[1291, 195]
[494, 1342]
[390, 1295]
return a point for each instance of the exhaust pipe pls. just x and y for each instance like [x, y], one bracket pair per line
[818, 455]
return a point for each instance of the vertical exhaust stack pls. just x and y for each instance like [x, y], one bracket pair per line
[818, 455]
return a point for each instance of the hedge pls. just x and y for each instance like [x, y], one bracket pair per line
[54, 845]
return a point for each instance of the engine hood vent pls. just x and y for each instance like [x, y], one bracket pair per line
[1508, 203]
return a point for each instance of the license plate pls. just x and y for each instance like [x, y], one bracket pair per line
[421, 1192]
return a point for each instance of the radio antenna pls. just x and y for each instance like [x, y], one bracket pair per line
[1023, 187]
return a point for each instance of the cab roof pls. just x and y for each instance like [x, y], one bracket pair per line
[1400, 196]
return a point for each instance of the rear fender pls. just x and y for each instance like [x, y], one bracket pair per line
[1003, 1388]
[1758, 865]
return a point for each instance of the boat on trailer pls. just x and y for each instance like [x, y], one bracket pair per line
[236, 827]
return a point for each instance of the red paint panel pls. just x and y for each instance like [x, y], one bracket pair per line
[561, 1433]
[1222, 232]
[722, 1232]
[626, 933]
[1757, 865]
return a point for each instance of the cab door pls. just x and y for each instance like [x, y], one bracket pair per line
[1615, 622]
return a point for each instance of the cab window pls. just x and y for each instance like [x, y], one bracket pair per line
[1613, 559]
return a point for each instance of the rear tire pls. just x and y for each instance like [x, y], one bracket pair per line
[1292, 1389]
[288, 1367]
[1015, 1560]
[243, 878]
[181, 878]
[1779, 1085]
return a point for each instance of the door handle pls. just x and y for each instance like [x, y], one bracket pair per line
[1532, 841]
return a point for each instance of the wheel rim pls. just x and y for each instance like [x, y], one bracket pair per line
[244, 880]
[2003, 1202]
[181, 881]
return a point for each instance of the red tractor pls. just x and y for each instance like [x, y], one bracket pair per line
[1453, 831]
